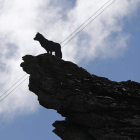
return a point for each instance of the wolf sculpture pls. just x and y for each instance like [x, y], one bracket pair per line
[48, 45]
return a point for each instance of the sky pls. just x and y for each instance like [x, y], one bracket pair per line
[108, 47]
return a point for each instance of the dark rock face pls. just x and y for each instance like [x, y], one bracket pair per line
[95, 107]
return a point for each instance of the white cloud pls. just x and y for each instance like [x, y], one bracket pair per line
[20, 20]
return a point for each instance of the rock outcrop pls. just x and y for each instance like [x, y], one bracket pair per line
[95, 108]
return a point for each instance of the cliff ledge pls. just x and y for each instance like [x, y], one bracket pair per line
[95, 108]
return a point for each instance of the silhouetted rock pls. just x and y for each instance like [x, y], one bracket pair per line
[95, 108]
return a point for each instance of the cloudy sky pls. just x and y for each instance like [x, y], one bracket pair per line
[108, 47]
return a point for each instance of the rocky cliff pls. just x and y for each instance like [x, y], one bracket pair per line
[95, 108]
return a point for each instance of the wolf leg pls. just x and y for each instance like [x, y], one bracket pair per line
[58, 53]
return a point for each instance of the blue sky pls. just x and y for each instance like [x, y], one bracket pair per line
[108, 47]
[125, 67]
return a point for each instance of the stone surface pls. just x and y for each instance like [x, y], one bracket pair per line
[95, 108]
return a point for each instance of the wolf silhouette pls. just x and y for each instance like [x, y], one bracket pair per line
[48, 45]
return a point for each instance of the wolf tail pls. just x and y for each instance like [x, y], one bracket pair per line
[58, 52]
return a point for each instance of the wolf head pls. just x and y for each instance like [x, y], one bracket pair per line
[37, 36]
